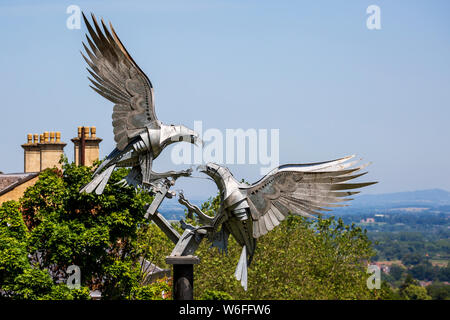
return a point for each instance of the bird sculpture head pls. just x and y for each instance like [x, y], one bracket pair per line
[209, 169]
[168, 134]
[233, 198]
[217, 172]
[175, 133]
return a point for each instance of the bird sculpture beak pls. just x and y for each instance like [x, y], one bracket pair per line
[170, 134]
[197, 141]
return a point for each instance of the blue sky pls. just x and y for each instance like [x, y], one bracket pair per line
[311, 69]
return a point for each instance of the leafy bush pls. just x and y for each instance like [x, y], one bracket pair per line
[159, 290]
[215, 295]
[54, 226]
[411, 290]
[439, 291]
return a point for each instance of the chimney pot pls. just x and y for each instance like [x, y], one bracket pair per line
[41, 138]
[35, 138]
[46, 136]
[87, 144]
[58, 136]
[29, 138]
[52, 137]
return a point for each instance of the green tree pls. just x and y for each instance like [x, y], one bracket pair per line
[396, 272]
[439, 291]
[54, 226]
[387, 292]
[215, 295]
[444, 273]
[300, 259]
[158, 290]
[411, 290]
[412, 259]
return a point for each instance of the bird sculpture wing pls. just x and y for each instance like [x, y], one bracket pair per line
[301, 189]
[119, 79]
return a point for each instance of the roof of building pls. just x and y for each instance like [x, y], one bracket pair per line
[152, 272]
[11, 180]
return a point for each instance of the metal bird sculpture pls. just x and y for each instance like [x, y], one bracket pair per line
[139, 135]
[248, 212]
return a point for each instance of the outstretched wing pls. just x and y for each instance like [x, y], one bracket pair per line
[119, 79]
[301, 189]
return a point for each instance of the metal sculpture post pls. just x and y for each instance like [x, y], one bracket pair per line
[181, 258]
[183, 276]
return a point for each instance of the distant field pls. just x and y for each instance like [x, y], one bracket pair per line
[391, 262]
[439, 262]
[370, 223]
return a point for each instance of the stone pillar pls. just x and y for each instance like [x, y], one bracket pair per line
[183, 276]
[92, 146]
[51, 150]
[32, 154]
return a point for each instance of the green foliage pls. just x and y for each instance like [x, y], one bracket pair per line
[30, 284]
[414, 292]
[54, 226]
[154, 245]
[411, 290]
[215, 295]
[412, 259]
[11, 222]
[413, 238]
[62, 292]
[300, 259]
[159, 290]
[397, 272]
[439, 291]
[386, 292]
[17, 278]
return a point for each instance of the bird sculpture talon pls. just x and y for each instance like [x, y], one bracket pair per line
[121, 183]
[170, 194]
[199, 230]
[186, 173]
[181, 199]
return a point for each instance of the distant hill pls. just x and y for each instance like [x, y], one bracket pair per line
[430, 198]
[172, 210]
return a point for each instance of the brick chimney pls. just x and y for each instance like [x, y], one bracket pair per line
[43, 154]
[32, 154]
[91, 143]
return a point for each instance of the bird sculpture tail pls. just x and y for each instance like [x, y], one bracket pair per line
[99, 182]
[241, 269]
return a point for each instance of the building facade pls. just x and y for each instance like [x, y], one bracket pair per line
[44, 151]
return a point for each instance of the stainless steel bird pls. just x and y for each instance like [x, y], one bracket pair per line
[248, 212]
[139, 135]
